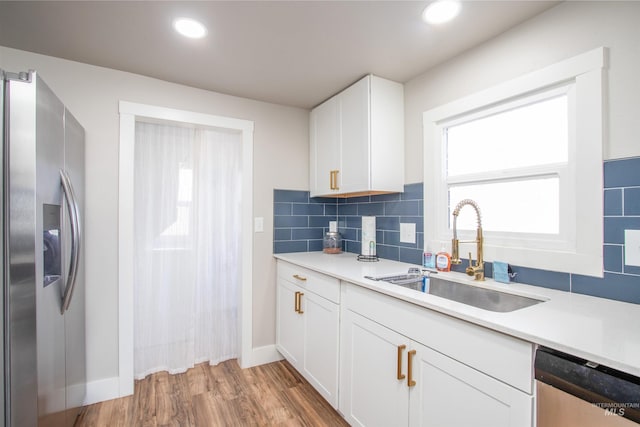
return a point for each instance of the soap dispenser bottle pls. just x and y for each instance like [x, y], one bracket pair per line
[428, 258]
[443, 260]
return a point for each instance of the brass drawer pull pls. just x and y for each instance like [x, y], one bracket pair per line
[410, 380]
[400, 375]
[298, 303]
[304, 279]
[333, 180]
[300, 294]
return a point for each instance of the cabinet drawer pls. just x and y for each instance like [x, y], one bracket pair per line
[312, 281]
[500, 356]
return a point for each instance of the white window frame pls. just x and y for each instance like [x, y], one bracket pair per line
[578, 249]
[562, 170]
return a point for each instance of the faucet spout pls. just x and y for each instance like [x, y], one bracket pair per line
[476, 270]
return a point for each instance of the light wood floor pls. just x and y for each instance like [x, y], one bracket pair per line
[222, 395]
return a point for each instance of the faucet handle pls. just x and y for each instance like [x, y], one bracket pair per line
[470, 260]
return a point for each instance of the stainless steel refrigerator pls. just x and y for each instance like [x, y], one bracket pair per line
[43, 308]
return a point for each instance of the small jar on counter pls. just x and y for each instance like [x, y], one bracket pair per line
[332, 243]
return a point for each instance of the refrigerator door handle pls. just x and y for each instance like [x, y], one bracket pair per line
[74, 219]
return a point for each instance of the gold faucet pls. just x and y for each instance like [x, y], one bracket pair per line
[476, 270]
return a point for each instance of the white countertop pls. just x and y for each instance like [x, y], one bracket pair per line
[597, 329]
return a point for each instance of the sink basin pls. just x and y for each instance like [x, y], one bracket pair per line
[486, 299]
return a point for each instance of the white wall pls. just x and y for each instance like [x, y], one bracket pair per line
[564, 31]
[92, 95]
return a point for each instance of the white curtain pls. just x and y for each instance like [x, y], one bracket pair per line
[186, 247]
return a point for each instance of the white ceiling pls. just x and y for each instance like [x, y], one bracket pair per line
[294, 53]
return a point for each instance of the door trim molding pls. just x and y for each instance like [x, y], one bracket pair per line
[129, 113]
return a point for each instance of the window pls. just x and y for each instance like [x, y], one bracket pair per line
[529, 152]
[181, 227]
[512, 160]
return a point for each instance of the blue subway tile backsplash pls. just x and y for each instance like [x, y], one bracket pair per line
[622, 173]
[291, 196]
[370, 209]
[308, 209]
[290, 246]
[614, 227]
[547, 279]
[613, 201]
[632, 201]
[623, 287]
[300, 223]
[290, 221]
[390, 210]
[613, 258]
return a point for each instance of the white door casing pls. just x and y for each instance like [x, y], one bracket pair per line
[128, 114]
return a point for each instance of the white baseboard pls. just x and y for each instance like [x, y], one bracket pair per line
[101, 390]
[261, 356]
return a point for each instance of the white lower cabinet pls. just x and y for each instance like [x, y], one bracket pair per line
[399, 364]
[387, 379]
[321, 331]
[307, 328]
[290, 330]
[371, 394]
[448, 393]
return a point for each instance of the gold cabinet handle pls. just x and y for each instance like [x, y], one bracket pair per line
[333, 180]
[400, 375]
[410, 381]
[296, 276]
[298, 303]
[300, 295]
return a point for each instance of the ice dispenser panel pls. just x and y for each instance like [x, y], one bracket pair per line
[51, 244]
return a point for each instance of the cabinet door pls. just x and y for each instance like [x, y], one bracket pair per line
[448, 393]
[289, 324]
[321, 337]
[387, 135]
[324, 146]
[355, 138]
[370, 392]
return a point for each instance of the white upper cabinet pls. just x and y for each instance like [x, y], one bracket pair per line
[357, 140]
[325, 127]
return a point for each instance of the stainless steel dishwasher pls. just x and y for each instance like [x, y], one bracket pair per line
[575, 392]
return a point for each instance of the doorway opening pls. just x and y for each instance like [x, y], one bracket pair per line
[131, 113]
[187, 210]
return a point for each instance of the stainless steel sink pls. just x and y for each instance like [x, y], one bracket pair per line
[486, 299]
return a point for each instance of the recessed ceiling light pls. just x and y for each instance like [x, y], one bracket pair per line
[441, 11]
[189, 28]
